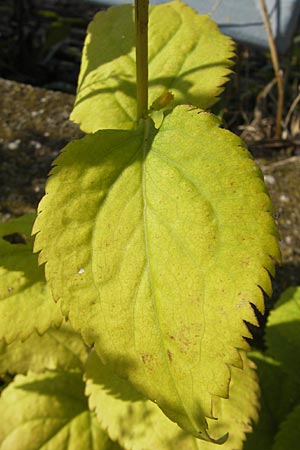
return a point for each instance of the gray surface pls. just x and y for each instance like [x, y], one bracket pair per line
[242, 19]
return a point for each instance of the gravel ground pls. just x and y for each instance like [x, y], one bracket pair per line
[34, 127]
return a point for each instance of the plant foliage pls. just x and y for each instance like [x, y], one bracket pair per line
[187, 55]
[151, 259]
[138, 423]
[57, 349]
[157, 236]
[25, 301]
[50, 411]
[279, 378]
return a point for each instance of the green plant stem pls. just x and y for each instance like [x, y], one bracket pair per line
[141, 27]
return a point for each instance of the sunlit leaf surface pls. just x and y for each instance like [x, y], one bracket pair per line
[57, 349]
[162, 240]
[49, 412]
[188, 56]
[139, 424]
[25, 301]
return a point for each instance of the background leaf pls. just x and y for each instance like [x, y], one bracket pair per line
[163, 238]
[283, 332]
[187, 56]
[49, 411]
[139, 424]
[289, 435]
[278, 371]
[56, 349]
[25, 302]
[279, 395]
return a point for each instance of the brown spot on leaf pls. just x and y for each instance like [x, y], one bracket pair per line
[148, 360]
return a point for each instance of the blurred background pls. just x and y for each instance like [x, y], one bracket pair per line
[41, 41]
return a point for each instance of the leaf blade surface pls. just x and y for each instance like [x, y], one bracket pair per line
[283, 330]
[279, 395]
[49, 411]
[26, 303]
[288, 436]
[138, 424]
[187, 55]
[56, 349]
[156, 262]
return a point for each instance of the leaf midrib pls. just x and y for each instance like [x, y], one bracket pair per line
[145, 151]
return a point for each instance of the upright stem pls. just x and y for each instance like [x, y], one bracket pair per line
[141, 28]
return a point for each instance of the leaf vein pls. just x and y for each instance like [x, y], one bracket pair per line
[150, 277]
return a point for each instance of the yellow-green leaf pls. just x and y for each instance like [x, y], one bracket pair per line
[49, 412]
[283, 332]
[56, 349]
[162, 240]
[25, 301]
[139, 424]
[188, 56]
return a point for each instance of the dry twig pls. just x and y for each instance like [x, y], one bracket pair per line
[291, 110]
[277, 70]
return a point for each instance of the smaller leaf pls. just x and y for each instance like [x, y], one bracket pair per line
[162, 101]
[56, 349]
[25, 301]
[187, 55]
[288, 437]
[139, 424]
[49, 411]
[283, 331]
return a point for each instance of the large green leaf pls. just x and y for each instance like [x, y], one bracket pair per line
[25, 301]
[56, 349]
[279, 375]
[139, 424]
[49, 412]
[283, 332]
[187, 55]
[162, 240]
[279, 395]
